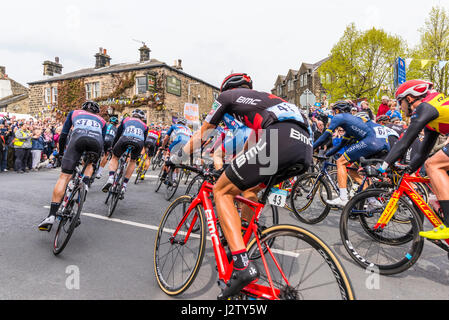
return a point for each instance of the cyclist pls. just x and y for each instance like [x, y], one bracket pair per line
[282, 131]
[179, 134]
[370, 138]
[88, 133]
[428, 110]
[131, 132]
[150, 149]
[111, 132]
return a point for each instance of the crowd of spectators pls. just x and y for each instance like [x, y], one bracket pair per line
[28, 145]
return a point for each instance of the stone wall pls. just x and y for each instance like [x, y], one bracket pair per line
[174, 104]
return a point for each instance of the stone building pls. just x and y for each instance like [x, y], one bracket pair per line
[291, 86]
[13, 95]
[157, 88]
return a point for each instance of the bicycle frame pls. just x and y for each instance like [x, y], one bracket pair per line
[225, 268]
[406, 187]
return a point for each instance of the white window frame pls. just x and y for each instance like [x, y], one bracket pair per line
[47, 95]
[137, 85]
[301, 81]
[305, 79]
[92, 90]
[54, 95]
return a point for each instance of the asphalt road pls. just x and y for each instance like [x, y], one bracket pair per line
[114, 257]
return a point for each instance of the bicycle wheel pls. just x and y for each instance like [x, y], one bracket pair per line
[173, 185]
[177, 260]
[155, 161]
[114, 192]
[304, 196]
[390, 250]
[68, 220]
[159, 180]
[195, 185]
[139, 172]
[300, 265]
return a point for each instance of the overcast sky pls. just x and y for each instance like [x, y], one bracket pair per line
[263, 38]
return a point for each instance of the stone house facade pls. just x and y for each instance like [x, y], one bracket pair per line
[160, 90]
[293, 85]
[13, 96]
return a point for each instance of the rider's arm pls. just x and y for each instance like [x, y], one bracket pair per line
[344, 142]
[199, 138]
[424, 148]
[65, 132]
[218, 158]
[421, 117]
[119, 132]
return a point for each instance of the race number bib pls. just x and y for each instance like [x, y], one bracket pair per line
[286, 111]
[134, 132]
[381, 132]
[278, 197]
[87, 124]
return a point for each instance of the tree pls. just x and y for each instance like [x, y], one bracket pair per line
[361, 63]
[432, 48]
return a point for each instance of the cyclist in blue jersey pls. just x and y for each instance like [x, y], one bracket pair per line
[178, 135]
[131, 132]
[368, 140]
[111, 132]
[88, 133]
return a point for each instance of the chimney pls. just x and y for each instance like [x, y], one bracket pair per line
[52, 67]
[144, 53]
[179, 64]
[2, 70]
[102, 59]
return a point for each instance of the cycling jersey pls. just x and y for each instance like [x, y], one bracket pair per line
[152, 137]
[131, 132]
[111, 132]
[432, 115]
[255, 109]
[179, 135]
[88, 134]
[233, 143]
[370, 138]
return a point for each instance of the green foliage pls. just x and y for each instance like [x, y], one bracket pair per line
[361, 64]
[433, 46]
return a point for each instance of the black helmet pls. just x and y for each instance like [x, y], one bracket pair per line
[91, 106]
[137, 113]
[342, 106]
[383, 118]
[236, 80]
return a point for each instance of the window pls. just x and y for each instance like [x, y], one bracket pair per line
[141, 85]
[47, 95]
[92, 90]
[54, 95]
[290, 85]
[305, 79]
[301, 81]
[279, 90]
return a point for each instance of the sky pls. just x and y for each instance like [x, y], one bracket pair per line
[213, 38]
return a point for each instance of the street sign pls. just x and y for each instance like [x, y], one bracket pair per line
[400, 72]
[307, 99]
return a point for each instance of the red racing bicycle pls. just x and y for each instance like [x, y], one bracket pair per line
[293, 262]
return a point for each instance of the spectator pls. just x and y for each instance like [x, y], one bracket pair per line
[336, 141]
[22, 143]
[324, 103]
[383, 108]
[37, 148]
[354, 111]
[393, 112]
[364, 106]
[48, 142]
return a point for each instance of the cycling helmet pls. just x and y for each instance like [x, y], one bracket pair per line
[137, 113]
[91, 106]
[383, 118]
[342, 106]
[113, 120]
[236, 80]
[363, 115]
[182, 120]
[415, 88]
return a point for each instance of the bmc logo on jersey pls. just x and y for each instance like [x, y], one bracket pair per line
[250, 101]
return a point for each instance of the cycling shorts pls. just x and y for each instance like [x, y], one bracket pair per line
[79, 143]
[124, 142]
[108, 143]
[179, 142]
[151, 147]
[280, 146]
[367, 147]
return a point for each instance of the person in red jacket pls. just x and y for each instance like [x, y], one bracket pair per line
[383, 108]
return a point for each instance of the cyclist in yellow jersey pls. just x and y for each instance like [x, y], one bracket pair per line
[428, 110]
